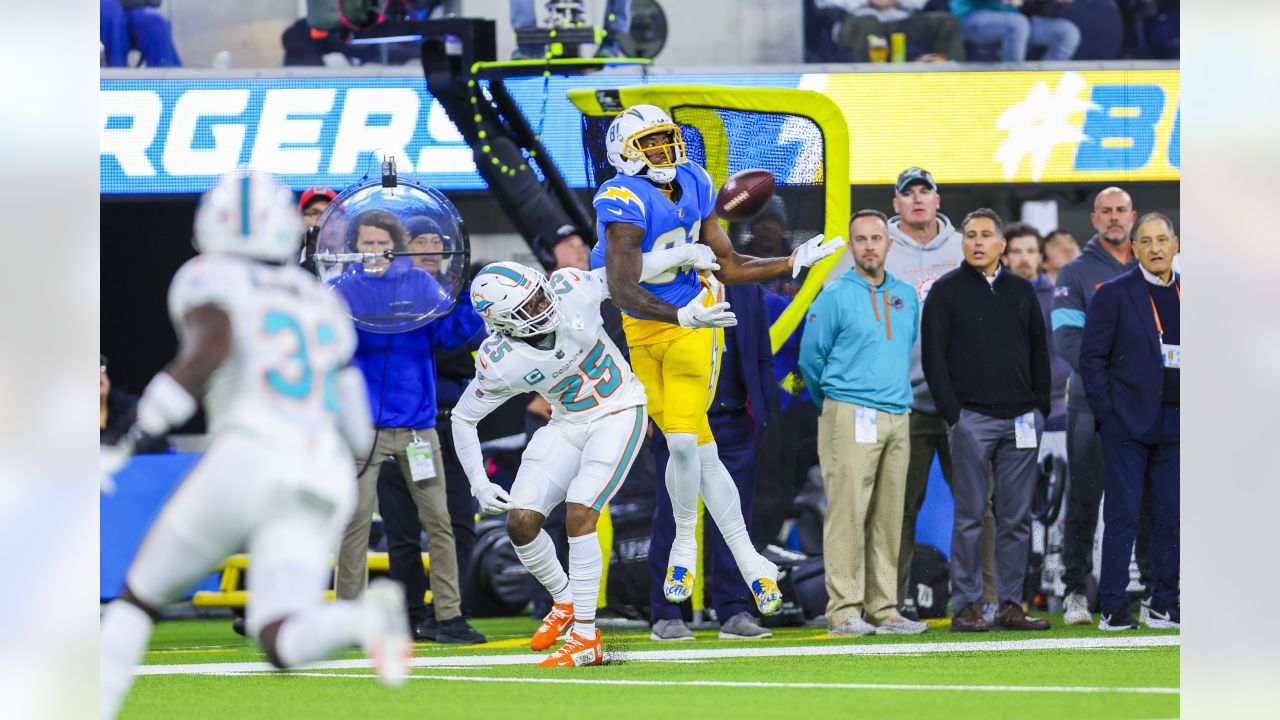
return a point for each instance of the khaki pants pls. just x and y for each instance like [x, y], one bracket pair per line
[433, 513]
[864, 484]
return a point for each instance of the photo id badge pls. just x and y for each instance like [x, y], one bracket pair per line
[1171, 356]
[422, 461]
[864, 425]
[1024, 431]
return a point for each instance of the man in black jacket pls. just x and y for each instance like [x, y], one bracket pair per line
[987, 363]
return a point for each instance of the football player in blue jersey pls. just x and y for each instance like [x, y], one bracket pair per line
[674, 324]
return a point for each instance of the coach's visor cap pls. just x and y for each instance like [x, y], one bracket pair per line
[914, 175]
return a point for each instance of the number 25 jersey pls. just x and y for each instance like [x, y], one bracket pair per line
[583, 375]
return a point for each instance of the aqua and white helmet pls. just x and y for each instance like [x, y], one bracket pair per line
[508, 295]
[625, 152]
[249, 213]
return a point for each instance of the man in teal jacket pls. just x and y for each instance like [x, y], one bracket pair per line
[855, 357]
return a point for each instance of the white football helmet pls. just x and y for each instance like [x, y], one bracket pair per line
[249, 213]
[509, 296]
[625, 152]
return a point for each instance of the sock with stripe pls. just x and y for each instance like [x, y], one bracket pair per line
[585, 568]
[540, 558]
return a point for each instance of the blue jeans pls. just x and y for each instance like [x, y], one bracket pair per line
[1015, 32]
[145, 28]
[1136, 467]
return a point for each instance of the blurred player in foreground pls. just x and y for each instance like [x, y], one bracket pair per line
[673, 323]
[266, 347]
[548, 337]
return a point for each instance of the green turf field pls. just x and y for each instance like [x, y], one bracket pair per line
[1076, 672]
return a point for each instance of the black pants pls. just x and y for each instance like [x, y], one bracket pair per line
[1087, 470]
[404, 532]
[788, 448]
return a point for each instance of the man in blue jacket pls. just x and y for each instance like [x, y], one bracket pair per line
[855, 357]
[1131, 359]
[400, 372]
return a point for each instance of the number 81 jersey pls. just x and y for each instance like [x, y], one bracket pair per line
[582, 375]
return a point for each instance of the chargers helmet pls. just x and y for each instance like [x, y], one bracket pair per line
[507, 295]
[626, 153]
[249, 213]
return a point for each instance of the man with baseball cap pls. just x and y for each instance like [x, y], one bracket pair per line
[926, 246]
[313, 202]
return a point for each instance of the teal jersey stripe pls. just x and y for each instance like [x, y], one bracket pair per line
[1063, 317]
[625, 463]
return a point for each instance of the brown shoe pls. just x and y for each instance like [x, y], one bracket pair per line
[969, 619]
[1012, 617]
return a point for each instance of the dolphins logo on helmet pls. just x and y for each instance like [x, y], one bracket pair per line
[626, 149]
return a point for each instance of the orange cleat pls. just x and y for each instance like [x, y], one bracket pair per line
[554, 626]
[576, 652]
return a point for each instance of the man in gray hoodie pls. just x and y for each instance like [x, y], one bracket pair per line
[926, 246]
[1106, 255]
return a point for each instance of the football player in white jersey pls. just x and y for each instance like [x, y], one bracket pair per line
[547, 337]
[265, 346]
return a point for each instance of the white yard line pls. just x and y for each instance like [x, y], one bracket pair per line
[457, 661]
[770, 685]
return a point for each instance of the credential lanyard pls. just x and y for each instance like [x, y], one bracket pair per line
[1156, 313]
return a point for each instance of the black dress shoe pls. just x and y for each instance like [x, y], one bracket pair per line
[457, 630]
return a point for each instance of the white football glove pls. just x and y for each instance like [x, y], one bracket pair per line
[814, 251]
[493, 499]
[695, 315]
[703, 257]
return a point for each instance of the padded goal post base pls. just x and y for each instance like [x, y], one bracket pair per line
[231, 592]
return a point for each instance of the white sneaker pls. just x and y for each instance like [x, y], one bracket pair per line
[900, 625]
[853, 627]
[1075, 610]
[387, 640]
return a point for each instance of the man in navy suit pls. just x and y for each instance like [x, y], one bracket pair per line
[1130, 359]
[744, 399]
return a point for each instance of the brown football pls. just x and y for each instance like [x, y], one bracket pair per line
[744, 194]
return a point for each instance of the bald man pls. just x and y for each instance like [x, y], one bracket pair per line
[1107, 254]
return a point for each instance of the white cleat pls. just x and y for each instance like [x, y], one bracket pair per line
[388, 642]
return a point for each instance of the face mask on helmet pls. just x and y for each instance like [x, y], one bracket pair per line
[643, 141]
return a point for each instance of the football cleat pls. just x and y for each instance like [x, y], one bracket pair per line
[576, 652]
[554, 626]
[768, 596]
[765, 588]
[387, 640]
[679, 584]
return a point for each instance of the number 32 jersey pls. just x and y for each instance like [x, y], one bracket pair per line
[290, 335]
[583, 375]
